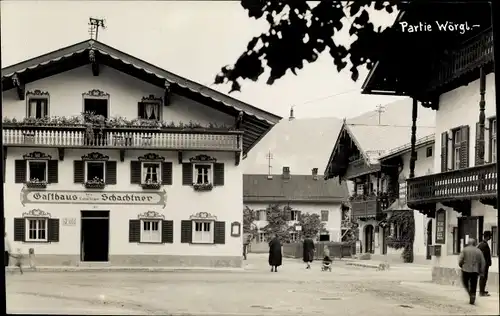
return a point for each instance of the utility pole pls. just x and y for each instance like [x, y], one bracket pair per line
[95, 24]
[380, 109]
[269, 157]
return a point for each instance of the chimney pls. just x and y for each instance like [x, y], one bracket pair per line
[315, 173]
[291, 118]
[286, 173]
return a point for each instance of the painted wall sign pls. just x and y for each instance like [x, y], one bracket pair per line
[440, 226]
[69, 221]
[235, 229]
[87, 197]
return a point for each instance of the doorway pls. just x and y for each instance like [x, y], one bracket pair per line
[94, 243]
[96, 106]
[470, 227]
[369, 239]
[428, 254]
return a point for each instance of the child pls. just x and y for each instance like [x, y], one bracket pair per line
[19, 260]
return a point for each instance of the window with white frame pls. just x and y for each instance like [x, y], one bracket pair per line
[262, 237]
[203, 232]
[151, 172]
[493, 140]
[294, 236]
[95, 169]
[151, 230]
[203, 173]
[36, 229]
[37, 170]
[38, 107]
[456, 149]
[294, 216]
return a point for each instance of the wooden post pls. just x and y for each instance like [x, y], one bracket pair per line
[482, 117]
[413, 157]
[495, 7]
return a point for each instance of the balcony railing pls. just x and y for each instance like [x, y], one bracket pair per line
[474, 53]
[132, 138]
[366, 206]
[470, 183]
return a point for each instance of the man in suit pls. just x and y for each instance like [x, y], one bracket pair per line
[472, 263]
[485, 249]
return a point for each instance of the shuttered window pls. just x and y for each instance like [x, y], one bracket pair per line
[104, 171]
[203, 174]
[456, 149]
[151, 231]
[203, 232]
[36, 229]
[460, 147]
[444, 151]
[324, 216]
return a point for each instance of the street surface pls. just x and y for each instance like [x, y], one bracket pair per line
[402, 290]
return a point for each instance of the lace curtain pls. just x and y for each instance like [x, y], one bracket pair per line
[151, 111]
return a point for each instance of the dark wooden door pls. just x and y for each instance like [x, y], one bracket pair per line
[369, 239]
[428, 254]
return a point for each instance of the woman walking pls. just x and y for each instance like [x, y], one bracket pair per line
[275, 257]
[308, 254]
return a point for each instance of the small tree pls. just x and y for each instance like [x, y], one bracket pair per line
[249, 218]
[311, 225]
[277, 223]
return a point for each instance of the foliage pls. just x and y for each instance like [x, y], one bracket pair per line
[406, 222]
[311, 225]
[300, 31]
[277, 223]
[249, 217]
[92, 121]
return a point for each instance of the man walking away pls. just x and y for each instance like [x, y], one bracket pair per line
[472, 263]
[308, 251]
[246, 242]
[485, 249]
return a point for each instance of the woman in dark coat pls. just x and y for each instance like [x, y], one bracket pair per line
[308, 255]
[275, 257]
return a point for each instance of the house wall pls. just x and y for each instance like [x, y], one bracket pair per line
[332, 225]
[461, 107]
[181, 203]
[125, 92]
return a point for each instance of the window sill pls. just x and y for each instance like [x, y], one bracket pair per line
[151, 186]
[150, 243]
[36, 242]
[36, 185]
[202, 187]
[202, 243]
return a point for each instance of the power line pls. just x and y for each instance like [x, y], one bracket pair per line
[326, 97]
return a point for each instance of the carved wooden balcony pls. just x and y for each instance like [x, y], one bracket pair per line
[368, 206]
[473, 54]
[478, 182]
[122, 138]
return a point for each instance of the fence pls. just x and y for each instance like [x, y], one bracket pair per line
[337, 250]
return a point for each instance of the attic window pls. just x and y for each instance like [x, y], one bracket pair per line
[37, 104]
[149, 108]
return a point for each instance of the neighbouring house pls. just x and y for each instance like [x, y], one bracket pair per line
[110, 159]
[422, 225]
[355, 158]
[297, 194]
[453, 75]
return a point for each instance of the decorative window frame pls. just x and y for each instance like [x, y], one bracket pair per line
[156, 159]
[37, 156]
[94, 157]
[152, 99]
[95, 94]
[37, 95]
[151, 216]
[203, 217]
[36, 214]
[235, 229]
[203, 160]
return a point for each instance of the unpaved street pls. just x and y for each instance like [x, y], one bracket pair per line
[255, 291]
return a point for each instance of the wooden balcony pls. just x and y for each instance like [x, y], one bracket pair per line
[122, 138]
[473, 54]
[368, 206]
[472, 183]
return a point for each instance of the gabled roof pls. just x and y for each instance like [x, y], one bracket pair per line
[300, 144]
[406, 148]
[256, 122]
[374, 140]
[299, 188]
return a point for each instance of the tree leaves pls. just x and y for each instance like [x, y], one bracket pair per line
[298, 33]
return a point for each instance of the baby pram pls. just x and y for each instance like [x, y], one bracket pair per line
[326, 264]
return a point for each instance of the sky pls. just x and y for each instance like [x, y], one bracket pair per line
[193, 39]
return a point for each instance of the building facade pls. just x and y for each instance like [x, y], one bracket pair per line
[461, 194]
[110, 160]
[297, 195]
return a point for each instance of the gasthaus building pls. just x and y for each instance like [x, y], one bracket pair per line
[110, 160]
[452, 75]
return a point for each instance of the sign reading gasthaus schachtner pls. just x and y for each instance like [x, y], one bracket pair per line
[85, 197]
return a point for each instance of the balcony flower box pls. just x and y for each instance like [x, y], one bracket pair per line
[95, 183]
[36, 184]
[203, 187]
[151, 185]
